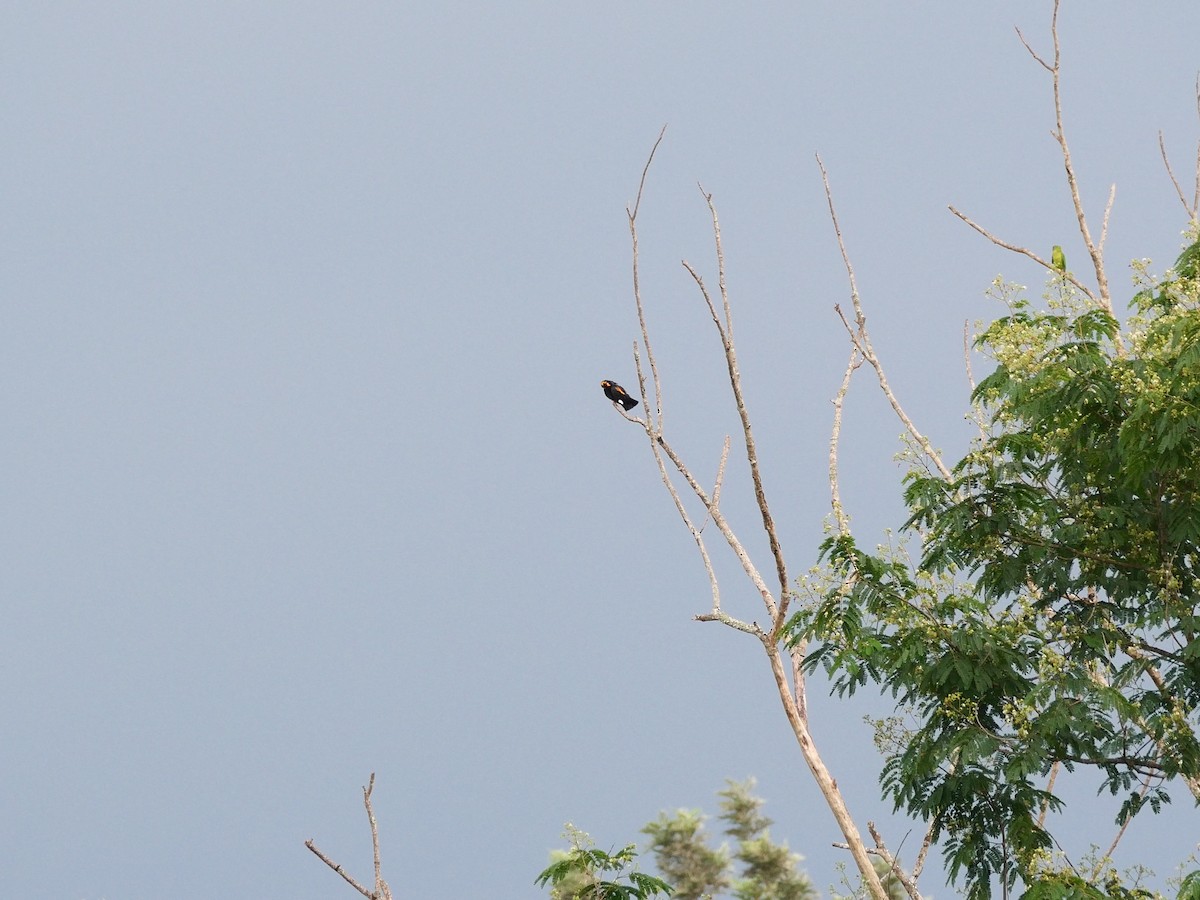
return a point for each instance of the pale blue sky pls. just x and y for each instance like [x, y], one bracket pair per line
[307, 470]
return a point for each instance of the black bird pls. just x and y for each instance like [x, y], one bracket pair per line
[617, 394]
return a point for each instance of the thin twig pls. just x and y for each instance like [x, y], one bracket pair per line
[1049, 68]
[967, 355]
[919, 865]
[337, 868]
[1129, 818]
[903, 877]
[1162, 149]
[886, 856]
[835, 495]
[645, 170]
[716, 495]
[722, 524]
[1196, 195]
[637, 293]
[1112, 196]
[1060, 136]
[714, 585]
[1192, 209]
[735, 382]
[862, 340]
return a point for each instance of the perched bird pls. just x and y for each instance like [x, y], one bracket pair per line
[1058, 259]
[617, 394]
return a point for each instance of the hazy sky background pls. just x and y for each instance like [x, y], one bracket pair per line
[307, 472]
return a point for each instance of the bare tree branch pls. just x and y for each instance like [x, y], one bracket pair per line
[716, 497]
[1162, 149]
[835, 495]
[382, 891]
[967, 356]
[697, 536]
[1044, 263]
[637, 293]
[919, 865]
[645, 170]
[800, 693]
[910, 886]
[736, 624]
[735, 382]
[719, 520]
[1060, 136]
[792, 700]
[1054, 769]
[1196, 195]
[1193, 208]
[1121, 831]
[381, 888]
[1112, 196]
[863, 350]
[337, 868]
[862, 339]
[1095, 250]
[1049, 68]
[653, 427]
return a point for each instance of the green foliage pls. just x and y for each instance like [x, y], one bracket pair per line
[578, 874]
[1052, 616]
[1063, 886]
[684, 857]
[769, 870]
[1073, 888]
[741, 811]
[1189, 888]
[770, 873]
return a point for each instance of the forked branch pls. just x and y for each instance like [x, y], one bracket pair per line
[725, 331]
[861, 338]
[792, 697]
[863, 350]
[1095, 250]
[381, 891]
[1192, 208]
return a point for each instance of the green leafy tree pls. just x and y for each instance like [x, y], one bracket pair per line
[769, 869]
[1051, 618]
[585, 873]
[1189, 888]
[683, 855]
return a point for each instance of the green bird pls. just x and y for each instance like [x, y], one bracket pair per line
[1058, 259]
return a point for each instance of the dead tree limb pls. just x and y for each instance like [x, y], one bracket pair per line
[381, 891]
[671, 465]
